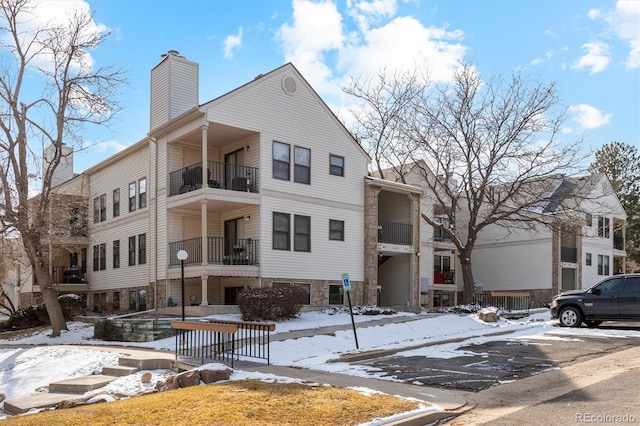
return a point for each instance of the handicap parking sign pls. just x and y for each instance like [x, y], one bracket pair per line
[345, 282]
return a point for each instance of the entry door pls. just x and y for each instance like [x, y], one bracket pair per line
[233, 231]
[232, 171]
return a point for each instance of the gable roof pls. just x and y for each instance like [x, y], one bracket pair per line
[290, 67]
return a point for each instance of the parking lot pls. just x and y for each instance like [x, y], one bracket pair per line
[483, 365]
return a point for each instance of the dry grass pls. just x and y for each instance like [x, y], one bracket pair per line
[246, 402]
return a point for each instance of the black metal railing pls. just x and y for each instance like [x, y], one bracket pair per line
[205, 341]
[618, 242]
[504, 301]
[226, 251]
[193, 247]
[395, 233]
[67, 275]
[251, 338]
[223, 340]
[219, 175]
[569, 254]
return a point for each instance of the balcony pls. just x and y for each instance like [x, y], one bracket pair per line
[219, 175]
[67, 275]
[568, 254]
[618, 242]
[395, 233]
[223, 251]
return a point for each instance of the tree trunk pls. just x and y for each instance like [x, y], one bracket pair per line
[467, 277]
[41, 272]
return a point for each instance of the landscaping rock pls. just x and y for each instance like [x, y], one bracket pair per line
[212, 376]
[146, 378]
[488, 315]
[188, 379]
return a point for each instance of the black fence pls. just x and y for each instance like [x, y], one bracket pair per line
[219, 175]
[503, 300]
[227, 251]
[395, 233]
[205, 341]
[223, 341]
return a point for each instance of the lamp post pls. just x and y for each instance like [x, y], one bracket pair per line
[182, 256]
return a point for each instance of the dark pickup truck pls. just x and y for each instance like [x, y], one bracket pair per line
[616, 298]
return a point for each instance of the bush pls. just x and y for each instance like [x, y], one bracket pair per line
[271, 304]
[36, 315]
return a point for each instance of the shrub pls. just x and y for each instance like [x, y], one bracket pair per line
[271, 304]
[36, 315]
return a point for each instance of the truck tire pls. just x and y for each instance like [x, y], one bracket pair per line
[570, 317]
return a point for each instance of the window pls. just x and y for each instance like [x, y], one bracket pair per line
[103, 257]
[302, 233]
[116, 300]
[281, 160]
[336, 230]
[302, 165]
[587, 261]
[96, 210]
[336, 165]
[142, 191]
[116, 254]
[603, 227]
[100, 257]
[132, 251]
[116, 202]
[307, 291]
[132, 196]
[96, 258]
[103, 207]
[142, 249]
[281, 226]
[603, 265]
[336, 294]
[588, 219]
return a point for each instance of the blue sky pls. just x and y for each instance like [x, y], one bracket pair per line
[590, 48]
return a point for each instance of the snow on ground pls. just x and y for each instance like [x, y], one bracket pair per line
[30, 363]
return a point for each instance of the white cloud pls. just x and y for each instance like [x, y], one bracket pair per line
[48, 13]
[316, 29]
[366, 13]
[547, 57]
[596, 59]
[404, 43]
[589, 117]
[624, 22]
[379, 41]
[593, 13]
[109, 146]
[231, 42]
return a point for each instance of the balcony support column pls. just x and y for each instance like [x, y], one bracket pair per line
[205, 155]
[205, 248]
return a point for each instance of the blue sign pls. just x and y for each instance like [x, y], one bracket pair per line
[345, 282]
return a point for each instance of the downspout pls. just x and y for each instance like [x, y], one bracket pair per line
[154, 170]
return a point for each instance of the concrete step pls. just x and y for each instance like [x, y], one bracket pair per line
[80, 385]
[118, 370]
[143, 361]
[44, 400]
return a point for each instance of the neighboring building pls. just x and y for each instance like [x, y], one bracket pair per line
[439, 285]
[585, 245]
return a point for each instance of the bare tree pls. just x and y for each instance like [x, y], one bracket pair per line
[380, 118]
[486, 151]
[49, 91]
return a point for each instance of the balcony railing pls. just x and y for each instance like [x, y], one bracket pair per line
[66, 275]
[569, 254]
[395, 233]
[618, 242]
[219, 175]
[226, 251]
